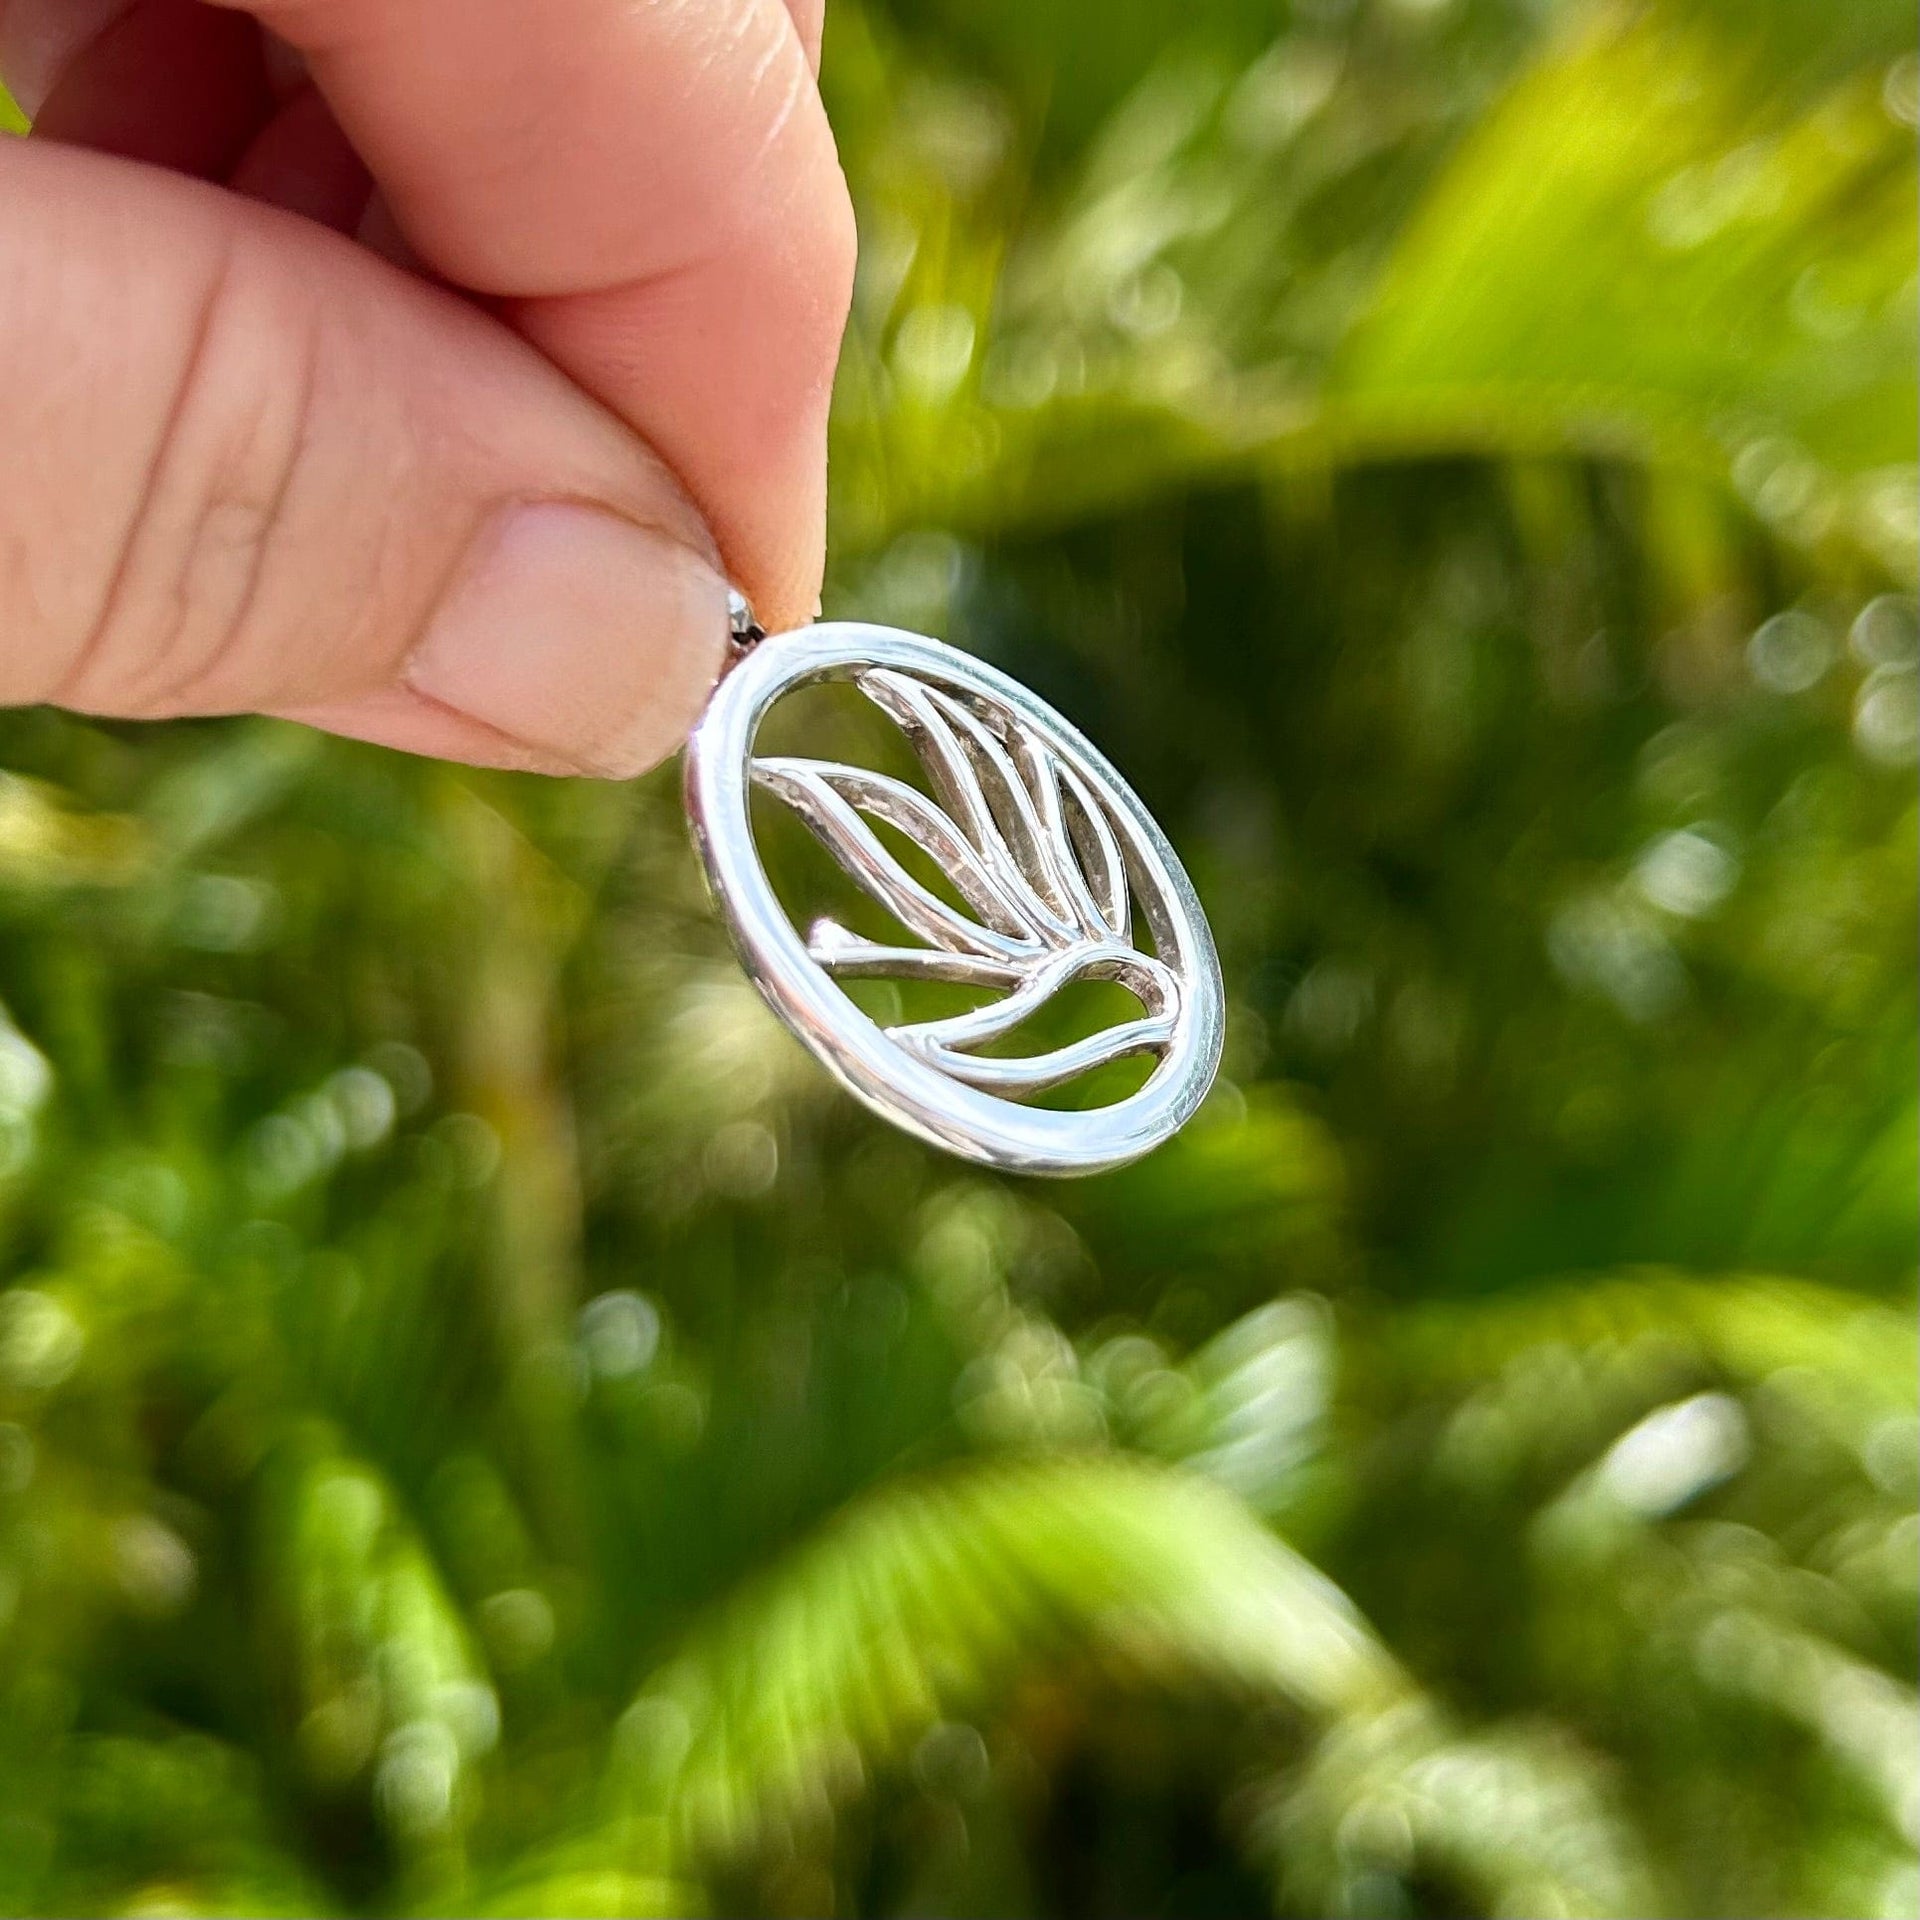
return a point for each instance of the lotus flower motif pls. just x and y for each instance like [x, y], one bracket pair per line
[1048, 859]
[1028, 845]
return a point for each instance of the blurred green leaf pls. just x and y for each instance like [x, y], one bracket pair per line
[1647, 249]
[922, 1605]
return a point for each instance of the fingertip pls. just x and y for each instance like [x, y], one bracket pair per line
[809, 21]
[579, 633]
[409, 722]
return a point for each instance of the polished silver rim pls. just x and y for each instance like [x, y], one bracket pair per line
[1046, 845]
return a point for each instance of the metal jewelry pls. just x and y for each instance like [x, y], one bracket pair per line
[1055, 860]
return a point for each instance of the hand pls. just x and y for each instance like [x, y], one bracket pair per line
[433, 375]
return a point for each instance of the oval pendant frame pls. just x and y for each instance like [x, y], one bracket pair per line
[875, 1068]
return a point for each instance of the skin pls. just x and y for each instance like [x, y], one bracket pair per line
[419, 369]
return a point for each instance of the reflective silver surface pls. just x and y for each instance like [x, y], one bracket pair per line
[1045, 844]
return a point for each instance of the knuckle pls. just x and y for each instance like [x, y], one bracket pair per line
[179, 622]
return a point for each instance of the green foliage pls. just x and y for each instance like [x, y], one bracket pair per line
[1747, 300]
[484, 1427]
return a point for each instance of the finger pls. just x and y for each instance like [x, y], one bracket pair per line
[185, 86]
[300, 160]
[809, 18]
[251, 466]
[166, 81]
[654, 191]
[39, 37]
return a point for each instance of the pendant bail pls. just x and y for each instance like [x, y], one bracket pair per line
[744, 632]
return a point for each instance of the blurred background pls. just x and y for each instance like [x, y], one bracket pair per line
[486, 1428]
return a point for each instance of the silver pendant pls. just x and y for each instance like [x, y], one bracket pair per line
[1045, 844]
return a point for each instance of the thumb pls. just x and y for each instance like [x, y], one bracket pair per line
[251, 467]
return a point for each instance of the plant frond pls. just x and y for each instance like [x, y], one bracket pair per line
[386, 1692]
[1751, 1326]
[1521, 1819]
[928, 1600]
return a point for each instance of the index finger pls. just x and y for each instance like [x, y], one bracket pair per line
[652, 191]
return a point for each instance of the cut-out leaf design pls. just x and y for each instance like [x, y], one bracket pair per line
[1030, 847]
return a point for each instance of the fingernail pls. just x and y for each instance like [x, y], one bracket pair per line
[580, 633]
